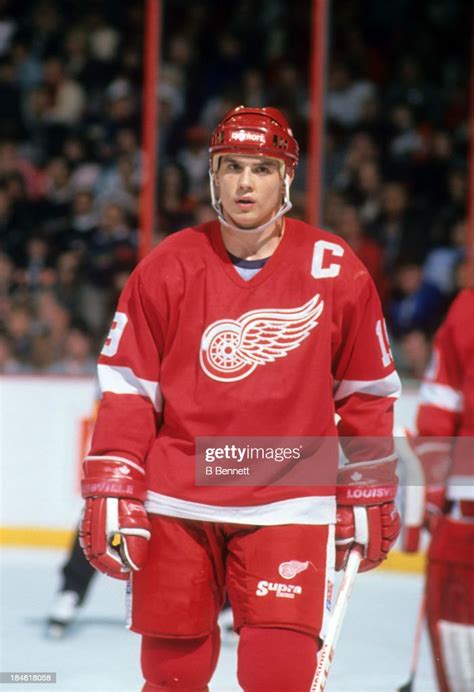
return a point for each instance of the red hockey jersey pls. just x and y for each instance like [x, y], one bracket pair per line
[196, 351]
[446, 405]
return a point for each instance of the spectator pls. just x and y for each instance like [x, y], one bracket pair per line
[11, 227]
[36, 272]
[7, 271]
[120, 109]
[77, 57]
[52, 324]
[121, 185]
[366, 190]
[45, 29]
[413, 354]
[334, 203]
[441, 263]
[56, 202]
[66, 96]
[430, 173]
[11, 113]
[112, 246]
[68, 286]
[253, 88]
[9, 365]
[13, 162]
[346, 96]
[288, 92]
[20, 328]
[103, 39]
[367, 250]
[8, 27]
[175, 204]
[194, 158]
[396, 229]
[361, 149]
[405, 142]
[78, 358]
[27, 67]
[454, 206]
[83, 221]
[415, 304]
[411, 88]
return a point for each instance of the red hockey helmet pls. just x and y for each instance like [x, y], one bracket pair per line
[256, 132]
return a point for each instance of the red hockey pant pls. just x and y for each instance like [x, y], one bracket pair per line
[279, 580]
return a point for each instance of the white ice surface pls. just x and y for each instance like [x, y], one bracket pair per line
[100, 655]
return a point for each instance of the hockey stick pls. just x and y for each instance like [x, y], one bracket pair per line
[327, 651]
[408, 686]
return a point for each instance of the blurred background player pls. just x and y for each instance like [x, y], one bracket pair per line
[253, 324]
[77, 574]
[443, 443]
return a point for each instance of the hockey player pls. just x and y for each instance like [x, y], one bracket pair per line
[77, 573]
[248, 328]
[444, 445]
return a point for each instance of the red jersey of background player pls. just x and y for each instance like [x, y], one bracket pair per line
[195, 350]
[447, 395]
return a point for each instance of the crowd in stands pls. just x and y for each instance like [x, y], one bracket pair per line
[395, 163]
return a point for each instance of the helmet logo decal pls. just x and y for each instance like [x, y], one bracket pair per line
[243, 136]
[232, 349]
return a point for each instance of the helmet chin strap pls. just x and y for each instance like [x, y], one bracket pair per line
[217, 206]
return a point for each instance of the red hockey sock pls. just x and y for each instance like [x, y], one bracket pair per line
[276, 660]
[186, 665]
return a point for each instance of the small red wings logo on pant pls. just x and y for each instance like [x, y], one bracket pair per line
[232, 349]
[290, 569]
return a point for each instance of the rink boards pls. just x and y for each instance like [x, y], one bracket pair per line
[44, 426]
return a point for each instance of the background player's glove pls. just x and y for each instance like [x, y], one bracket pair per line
[366, 512]
[115, 529]
[426, 464]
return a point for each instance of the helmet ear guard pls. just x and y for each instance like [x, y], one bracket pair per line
[254, 132]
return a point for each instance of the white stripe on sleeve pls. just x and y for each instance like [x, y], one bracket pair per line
[119, 380]
[389, 386]
[123, 460]
[441, 395]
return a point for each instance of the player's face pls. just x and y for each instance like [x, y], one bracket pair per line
[250, 189]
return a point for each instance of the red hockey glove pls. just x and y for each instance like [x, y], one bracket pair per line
[115, 529]
[366, 512]
[426, 464]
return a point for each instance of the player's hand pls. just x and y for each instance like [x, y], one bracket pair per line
[115, 528]
[114, 535]
[375, 527]
[366, 512]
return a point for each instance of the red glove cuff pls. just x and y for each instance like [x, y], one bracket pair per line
[368, 495]
[111, 478]
[367, 483]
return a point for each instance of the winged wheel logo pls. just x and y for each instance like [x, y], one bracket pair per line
[232, 349]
